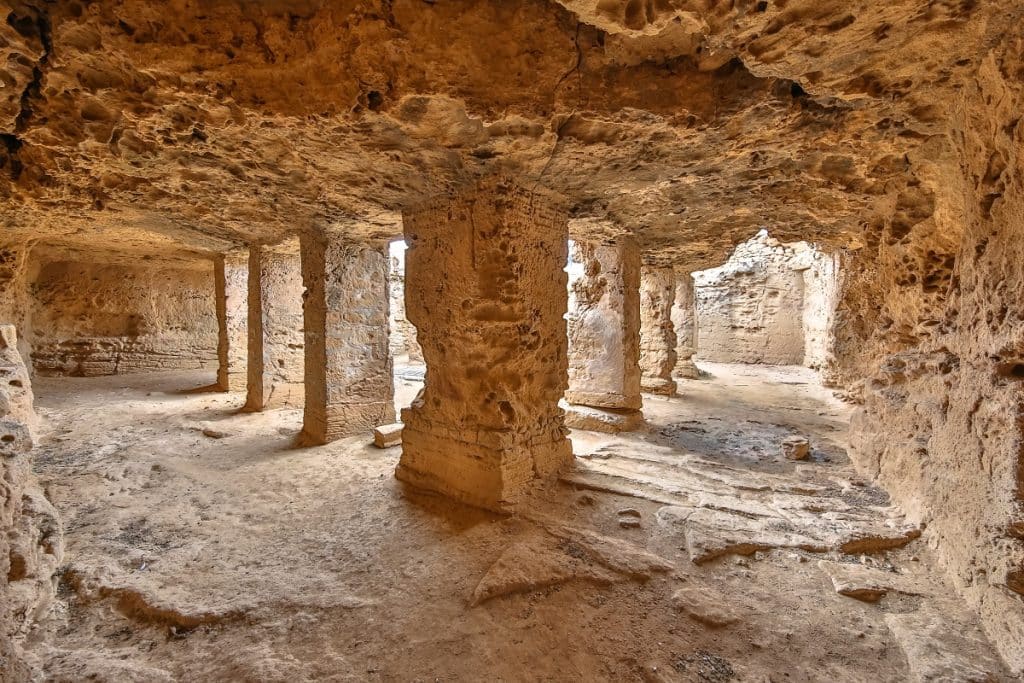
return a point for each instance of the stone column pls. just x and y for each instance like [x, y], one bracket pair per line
[604, 337]
[657, 336]
[276, 364]
[487, 292]
[348, 376]
[684, 321]
[403, 334]
[231, 279]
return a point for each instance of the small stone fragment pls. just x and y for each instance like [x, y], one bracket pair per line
[796, 448]
[705, 606]
[387, 436]
[865, 583]
[214, 433]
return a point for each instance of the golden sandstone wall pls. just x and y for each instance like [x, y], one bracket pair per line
[88, 319]
[31, 537]
[934, 312]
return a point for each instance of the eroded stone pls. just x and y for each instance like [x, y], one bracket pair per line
[657, 333]
[604, 330]
[348, 368]
[487, 423]
[275, 359]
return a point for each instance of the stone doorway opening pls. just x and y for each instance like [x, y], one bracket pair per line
[406, 353]
[770, 303]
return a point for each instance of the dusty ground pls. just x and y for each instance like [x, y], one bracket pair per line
[202, 545]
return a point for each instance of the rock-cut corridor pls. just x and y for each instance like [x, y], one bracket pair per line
[517, 340]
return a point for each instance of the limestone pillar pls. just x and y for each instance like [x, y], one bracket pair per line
[657, 336]
[231, 279]
[403, 334]
[487, 292]
[604, 337]
[276, 364]
[348, 374]
[684, 321]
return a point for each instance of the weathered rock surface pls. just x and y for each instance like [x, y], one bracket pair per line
[706, 605]
[91, 316]
[888, 129]
[940, 650]
[866, 583]
[604, 325]
[276, 358]
[684, 321]
[348, 380]
[31, 538]
[602, 420]
[796, 448]
[751, 308]
[401, 333]
[657, 333]
[487, 423]
[231, 280]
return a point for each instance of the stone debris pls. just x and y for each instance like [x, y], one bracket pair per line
[629, 518]
[866, 583]
[562, 554]
[796, 448]
[720, 510]
[528, 566]
[386, 436]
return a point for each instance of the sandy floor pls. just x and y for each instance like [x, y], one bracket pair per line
[202, 545]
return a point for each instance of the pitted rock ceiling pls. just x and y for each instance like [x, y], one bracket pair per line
[182, 127]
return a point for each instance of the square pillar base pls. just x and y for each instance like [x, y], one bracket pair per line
[491, 473]
[658, 385]
[602, 420]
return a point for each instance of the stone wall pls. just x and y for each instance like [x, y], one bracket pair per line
[89, 319]
[31, 538]
[750, 310]
[822, 280]
[933, 311]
